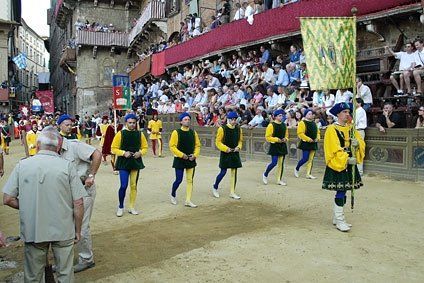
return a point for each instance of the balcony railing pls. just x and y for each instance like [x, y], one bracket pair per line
[101, 38]
[155, 10]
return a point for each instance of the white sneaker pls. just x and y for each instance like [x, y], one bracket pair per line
[120, 212]
[296, 173]
[282, 183]
[234, 196]
[215, 192]
[190, 204]
[132, 211]
[310, 177]
[264, 179]
[173, 200]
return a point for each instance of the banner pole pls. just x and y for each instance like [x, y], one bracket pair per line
[114, 120]
[352, 148]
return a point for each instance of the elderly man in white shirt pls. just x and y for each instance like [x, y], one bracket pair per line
[361, 125]
[267, 76]
[256, 122]
[364, 92]
[272, 99]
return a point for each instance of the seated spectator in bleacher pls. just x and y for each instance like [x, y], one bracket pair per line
[328, 100]
[267, 78]
[318, 98]
[223, 96]
[176, 76]
[407, 60]
[212, 96]
[222, 117]
[239, 95]
[224, 72]
[272, 100]
[267, 119]
[420, 118]
[291, 121]
[214, 121]
[343, 95]
[216, 67]
[240, 11]
[188, 72]
[207, 67]
[213, 82]
[364, 92]
[248, 93]
[294, 55]
[419, 64]
[282, 96]
[265, 57]
[294, 74]
[389, 119]
[282, 76]
[303, 72]
[245, 116]
[258, 98]
[257, 120]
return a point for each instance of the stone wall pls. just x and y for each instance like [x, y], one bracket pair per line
[398, 154]
[62, 82]
[94, 84]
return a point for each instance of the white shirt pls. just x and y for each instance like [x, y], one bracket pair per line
[163, 98]
[249, 11]
[406, 60]
[343, 97]
[273, 100]
[268, 76]
[256, 121]
[365, 93]
[419, 57]
[329, 100]
[361, 118]
[239, 14]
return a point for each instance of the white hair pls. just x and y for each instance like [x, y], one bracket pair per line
[49, 137]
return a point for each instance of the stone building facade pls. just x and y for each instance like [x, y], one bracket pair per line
[29, 42]
[10, 18]
[83, 62]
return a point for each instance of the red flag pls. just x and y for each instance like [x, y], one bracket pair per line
[46, 99]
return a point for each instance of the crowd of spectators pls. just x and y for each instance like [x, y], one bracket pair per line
[253, 84]
[194, 25]
[94, 26]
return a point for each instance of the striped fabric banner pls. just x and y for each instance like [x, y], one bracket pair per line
[330, 51]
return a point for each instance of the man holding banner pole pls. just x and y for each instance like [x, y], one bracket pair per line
[330, 48]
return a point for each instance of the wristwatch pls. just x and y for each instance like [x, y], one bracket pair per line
[91, 176]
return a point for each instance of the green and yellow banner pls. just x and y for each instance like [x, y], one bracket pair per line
[330, 49]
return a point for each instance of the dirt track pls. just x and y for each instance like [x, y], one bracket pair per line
[273, 234]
